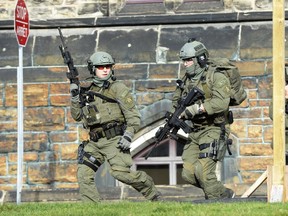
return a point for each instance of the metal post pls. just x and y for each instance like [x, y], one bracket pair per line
[20, 125]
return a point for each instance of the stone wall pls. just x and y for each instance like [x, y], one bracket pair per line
[145, 48]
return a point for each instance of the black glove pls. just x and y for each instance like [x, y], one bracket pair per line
[125, 141]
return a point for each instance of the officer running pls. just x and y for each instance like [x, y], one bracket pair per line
[208, 143]
[111, 116]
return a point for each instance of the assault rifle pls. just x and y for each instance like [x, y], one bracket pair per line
[72, 74]
[173, 121]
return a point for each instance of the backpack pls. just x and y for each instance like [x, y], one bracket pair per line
[223, 65]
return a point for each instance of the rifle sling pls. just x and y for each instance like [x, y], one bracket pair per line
[111, 100]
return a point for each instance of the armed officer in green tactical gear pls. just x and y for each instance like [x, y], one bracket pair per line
[110, 114]
[207, 144]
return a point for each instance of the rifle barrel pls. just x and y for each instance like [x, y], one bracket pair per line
[62, 39]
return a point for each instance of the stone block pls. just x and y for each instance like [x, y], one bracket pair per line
[44, 119]
[249, 82]
[256, 42]
[47, 53]
[259, 163]
[134, 9]
[63, 137]
[268, 134]
[8, 119]
[155, 86]
[249, 68]
[9, 57]
[252, 113]
[35, 141]
[49, 156]
[33, 95]
[12, 170]
[130, 46]
[239, 128]
[92, 9]
[60, 100]
[254, 131]
[255, 150]
[224, 46]
[163, 71]
[130, 71]
[3, 166]
[265, 87]
[69, 151]
[49, 173]
[60, 88]
[150, 98]
[243, 4]
[27, 157]
[66, 12]
[200, 6]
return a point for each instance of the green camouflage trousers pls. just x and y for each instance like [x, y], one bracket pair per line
[202, 172]
[120, 164]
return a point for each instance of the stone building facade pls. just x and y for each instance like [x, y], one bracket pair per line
[145, 38]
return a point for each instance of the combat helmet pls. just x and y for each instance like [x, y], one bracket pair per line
[194, 49]
[102, 58]
[99, 58]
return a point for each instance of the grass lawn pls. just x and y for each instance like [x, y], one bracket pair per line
[127, 208]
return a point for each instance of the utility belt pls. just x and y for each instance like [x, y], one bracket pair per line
[217, 149]
[108, 130]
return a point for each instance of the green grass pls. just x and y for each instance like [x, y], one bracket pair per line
[126, 208]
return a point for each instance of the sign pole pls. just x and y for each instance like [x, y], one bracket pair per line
[20, 148]
[21, 27]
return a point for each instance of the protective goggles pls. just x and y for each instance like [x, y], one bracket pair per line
[101, 67]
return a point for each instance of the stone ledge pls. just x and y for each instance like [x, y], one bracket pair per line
[169, 193]
[146, 20]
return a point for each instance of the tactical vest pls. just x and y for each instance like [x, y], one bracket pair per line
[100, 111]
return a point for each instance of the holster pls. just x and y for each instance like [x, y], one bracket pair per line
[92, 162]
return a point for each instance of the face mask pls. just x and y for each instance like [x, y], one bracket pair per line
[194, 70]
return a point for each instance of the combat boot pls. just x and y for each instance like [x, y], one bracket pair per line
[228, 194]
[157, 197]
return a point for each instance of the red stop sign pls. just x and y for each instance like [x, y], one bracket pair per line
[21, 23]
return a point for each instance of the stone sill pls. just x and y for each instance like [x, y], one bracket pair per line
[146, 20]
[170, 193]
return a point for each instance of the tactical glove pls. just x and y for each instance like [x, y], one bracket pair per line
[125, 141]
[190, 111]
[74, 90]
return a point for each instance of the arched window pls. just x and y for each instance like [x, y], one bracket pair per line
[164, 163]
